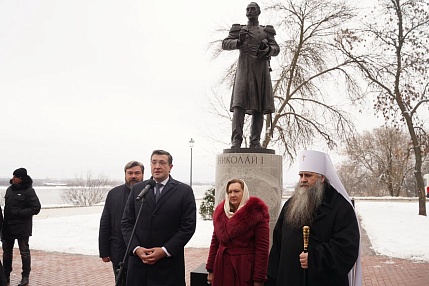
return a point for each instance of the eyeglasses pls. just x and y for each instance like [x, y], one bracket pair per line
[161, 163]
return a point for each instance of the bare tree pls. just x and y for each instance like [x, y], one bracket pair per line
[215, 105]
[391, 50]
[86, 191]
[358, 181]
[308, 68]
[381, 159]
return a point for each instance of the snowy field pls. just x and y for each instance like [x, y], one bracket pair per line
[394, 227]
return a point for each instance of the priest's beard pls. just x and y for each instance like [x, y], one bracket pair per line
[303, 204]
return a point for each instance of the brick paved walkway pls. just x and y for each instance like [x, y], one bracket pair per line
[52, 268]
[78, 270]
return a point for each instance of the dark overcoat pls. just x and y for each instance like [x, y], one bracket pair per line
[252, 89]
[21, 203]
[110, 240]
[332, 251]
[170, 223]
[3, 281]
[239, 248]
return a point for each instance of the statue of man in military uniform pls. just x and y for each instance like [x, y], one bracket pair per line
[252, 93]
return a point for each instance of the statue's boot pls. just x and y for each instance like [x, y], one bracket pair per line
[256, 129]
[237, 127]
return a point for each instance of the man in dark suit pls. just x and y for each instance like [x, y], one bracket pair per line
[111, 243]
[166, 223]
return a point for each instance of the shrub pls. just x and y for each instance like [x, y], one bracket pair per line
[86, 191]
[208, 204]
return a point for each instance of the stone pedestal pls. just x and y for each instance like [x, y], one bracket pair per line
[261, 169]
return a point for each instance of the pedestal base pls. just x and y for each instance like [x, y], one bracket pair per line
[261, 171]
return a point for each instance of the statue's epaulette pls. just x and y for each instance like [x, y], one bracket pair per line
[270, 29]
[236, 27]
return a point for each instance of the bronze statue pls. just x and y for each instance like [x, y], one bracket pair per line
[252, 93]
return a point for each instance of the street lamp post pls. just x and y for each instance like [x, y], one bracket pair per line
[191, 144]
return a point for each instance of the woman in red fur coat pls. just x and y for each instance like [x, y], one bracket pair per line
[240, 243]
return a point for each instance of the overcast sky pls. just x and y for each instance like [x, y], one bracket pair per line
[88, 85]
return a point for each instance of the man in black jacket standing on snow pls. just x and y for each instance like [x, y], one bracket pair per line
[21, 203]
[111, 243]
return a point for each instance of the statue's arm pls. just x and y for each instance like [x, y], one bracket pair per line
[274, 47]
[231, 42]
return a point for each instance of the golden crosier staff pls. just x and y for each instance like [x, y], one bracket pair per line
[305, 235]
